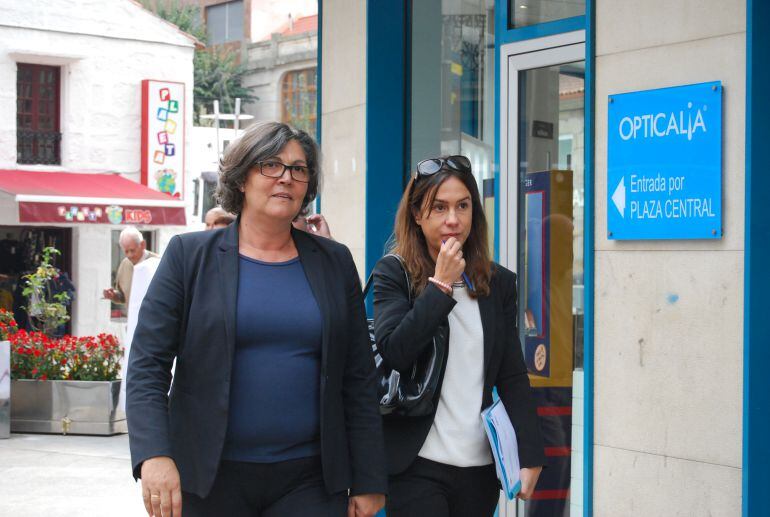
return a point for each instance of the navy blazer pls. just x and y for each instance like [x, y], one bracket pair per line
[403, 331]
[189, 314]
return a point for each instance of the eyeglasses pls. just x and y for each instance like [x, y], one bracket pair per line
[275, 169]
[431, 166]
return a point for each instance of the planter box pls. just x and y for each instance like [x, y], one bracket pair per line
[66, 407]
[5, 389]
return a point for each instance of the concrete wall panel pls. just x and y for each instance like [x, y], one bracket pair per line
[668, 378]
[635, 484]
[343, 198]
[343, 120]
[344, 54]
[624, 26]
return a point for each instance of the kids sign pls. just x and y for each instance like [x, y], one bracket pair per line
[664, 163]
[163, 138]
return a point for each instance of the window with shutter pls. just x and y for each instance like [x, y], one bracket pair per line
[38, 137]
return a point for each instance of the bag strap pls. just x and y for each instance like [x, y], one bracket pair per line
[370, 280]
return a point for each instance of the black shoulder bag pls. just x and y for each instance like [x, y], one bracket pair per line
[412, 394]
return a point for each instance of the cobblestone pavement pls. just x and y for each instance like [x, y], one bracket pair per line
[57, 476]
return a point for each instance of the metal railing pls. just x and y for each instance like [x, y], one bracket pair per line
[38, 147]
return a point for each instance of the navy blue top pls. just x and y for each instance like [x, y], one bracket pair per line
[275, 385]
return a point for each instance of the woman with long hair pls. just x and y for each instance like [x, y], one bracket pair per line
[441, 464]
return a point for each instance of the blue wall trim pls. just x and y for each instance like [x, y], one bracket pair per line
[576, 23]
[501, 15]
[386, 77]
[756, 382]
[588, 262]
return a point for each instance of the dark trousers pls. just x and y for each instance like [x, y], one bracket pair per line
[286, 489]
[431, 489]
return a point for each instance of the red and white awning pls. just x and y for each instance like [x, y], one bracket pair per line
[80, 198]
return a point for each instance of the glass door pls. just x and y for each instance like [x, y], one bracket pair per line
[542, 123]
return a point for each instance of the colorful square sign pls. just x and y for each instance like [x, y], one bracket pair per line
[163, 136]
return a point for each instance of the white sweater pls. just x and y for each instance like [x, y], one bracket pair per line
[457, 436]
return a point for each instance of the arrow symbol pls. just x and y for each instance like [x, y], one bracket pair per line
[619, 198]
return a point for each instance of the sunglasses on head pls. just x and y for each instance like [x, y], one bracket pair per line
[431, 166]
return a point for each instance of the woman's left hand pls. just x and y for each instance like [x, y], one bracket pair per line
[528, 478]
[365, 505]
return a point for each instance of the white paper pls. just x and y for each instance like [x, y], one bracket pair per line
[505, 447]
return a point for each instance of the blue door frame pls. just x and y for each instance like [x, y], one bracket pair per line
[504, 35]
[756, 356]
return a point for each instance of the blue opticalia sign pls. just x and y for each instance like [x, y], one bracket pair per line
[664, 163]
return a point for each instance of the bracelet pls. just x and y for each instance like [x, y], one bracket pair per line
[439, 283]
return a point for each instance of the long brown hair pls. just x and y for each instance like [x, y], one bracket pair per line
[409, 241]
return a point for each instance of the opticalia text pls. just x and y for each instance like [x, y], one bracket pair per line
[658, 125]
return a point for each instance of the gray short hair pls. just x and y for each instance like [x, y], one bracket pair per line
[131, 232]
[257, 143]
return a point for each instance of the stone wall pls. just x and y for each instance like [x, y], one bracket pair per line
[343, 123]
[669, 314]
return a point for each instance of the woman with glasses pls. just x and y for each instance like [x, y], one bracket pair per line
[441, 464]
[273, 409]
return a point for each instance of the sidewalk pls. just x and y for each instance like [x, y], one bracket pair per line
[56, 476]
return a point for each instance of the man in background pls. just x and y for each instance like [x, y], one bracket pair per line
[135, 248]
[218, 217]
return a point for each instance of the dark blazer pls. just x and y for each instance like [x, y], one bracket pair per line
[402, 333]
[189, 314]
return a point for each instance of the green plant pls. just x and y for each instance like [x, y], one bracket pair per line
[218, 74]
[186, 17]
[47, 310]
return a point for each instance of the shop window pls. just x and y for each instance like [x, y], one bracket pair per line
[119, 311]
[452, 88]
[37, 114]
[551, 179]
[224, 22]
[21, 249]
[298, 99]
[531, 12]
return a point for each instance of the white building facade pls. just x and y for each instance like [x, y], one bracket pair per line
[94, 56]
[282, 73]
